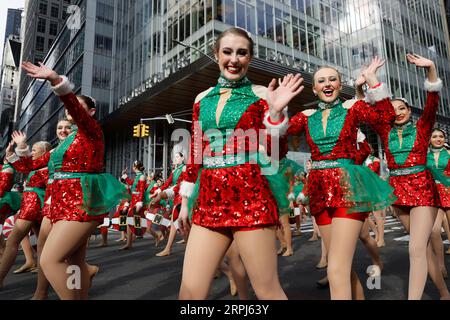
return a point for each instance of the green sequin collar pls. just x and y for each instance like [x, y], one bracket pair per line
[225, 83]
[324, 105]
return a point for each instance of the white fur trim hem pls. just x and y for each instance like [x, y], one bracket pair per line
[277, 129]
[63, 88]
[433, 86]
[23, 152]
[378, 94]
[187, 189]
[170, 193]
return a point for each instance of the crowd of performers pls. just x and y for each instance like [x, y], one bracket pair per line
[231, 198]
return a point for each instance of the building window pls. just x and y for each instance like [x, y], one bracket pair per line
[50, 42]
[43, 8]
[103, 45]
[40, 42]
[53, 28]
[41, 25]
[54, 12]
[105, 13]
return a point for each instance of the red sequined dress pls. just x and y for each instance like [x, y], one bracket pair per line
[328, 188]
[34, 192]
[232, 192]
[6, 183]
[82, 152]
[407, 157]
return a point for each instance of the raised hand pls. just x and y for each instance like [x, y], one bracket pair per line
[124, 171]
[9, 150]
[20, 139]
[419, 61]
[370, 72]
[41, 72]
[423, 62]
[279, 97]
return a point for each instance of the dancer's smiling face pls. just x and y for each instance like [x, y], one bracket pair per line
[437, 139]
[327, 84]
[402, 112]
[63, 129]
[233, 56]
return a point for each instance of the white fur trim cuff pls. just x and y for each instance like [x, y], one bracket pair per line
[13, 158]
[291, 197]
[63, 88]
[377, 94]
[433, 86]
[139, 204]
[124, 177]
[360, 137]
[277, 129]
[158, 191]
[170, 193]
[23, 152]
[187, 189]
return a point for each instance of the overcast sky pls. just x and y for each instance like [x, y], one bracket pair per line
[5, 5]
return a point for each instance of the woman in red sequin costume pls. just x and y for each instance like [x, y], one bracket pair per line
[30, 215]
[234, 199]
[439, 164]
[6, 183]
[138, 186]
[331, 134]
[406, 146]
[23, 159]
[79, 157]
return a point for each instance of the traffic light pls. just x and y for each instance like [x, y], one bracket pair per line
[137, 131]
[145, 131]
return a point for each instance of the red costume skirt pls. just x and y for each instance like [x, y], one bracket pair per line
[444, 196]
[237, 196]
[67, 202]
[415, 190]
[326, 191]
[30, 209]
[326, 217]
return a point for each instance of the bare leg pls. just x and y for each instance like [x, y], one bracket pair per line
[238, 271]
[20, 230]
[67, 241]
[419, 223]
[316, 232]
[323, 256]
[344, 234]
[287, 235]
[436, 242]
[436, 274]
[28, 251]
[380, 218]
[41, 292]
[129, 244]
[204, 252]
[370, 244]
[172, 235]
[257, 249]
[280, 236]
[446, 228]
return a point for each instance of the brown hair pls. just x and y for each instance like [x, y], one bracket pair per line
[238, 32]
[440, 130]
[88, 100]
[326, 67]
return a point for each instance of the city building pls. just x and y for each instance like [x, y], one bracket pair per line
[13, 23]
[145, 59]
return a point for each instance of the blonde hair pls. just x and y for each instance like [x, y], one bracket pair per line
[46, 146]
[326, 67]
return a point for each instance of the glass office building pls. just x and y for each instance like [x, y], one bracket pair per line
[147, 58]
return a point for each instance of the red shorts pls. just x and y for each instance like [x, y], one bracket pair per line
[229, 231]
[326, 217]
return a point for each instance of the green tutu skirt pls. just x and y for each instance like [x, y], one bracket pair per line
[13, 199]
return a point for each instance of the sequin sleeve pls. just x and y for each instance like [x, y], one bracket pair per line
[189, 177]
[141, 187]
[297, 124]
[379, 116]
[428, 117]
[86, 124]
[168, 183]
[362, 153]
[5, 182]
